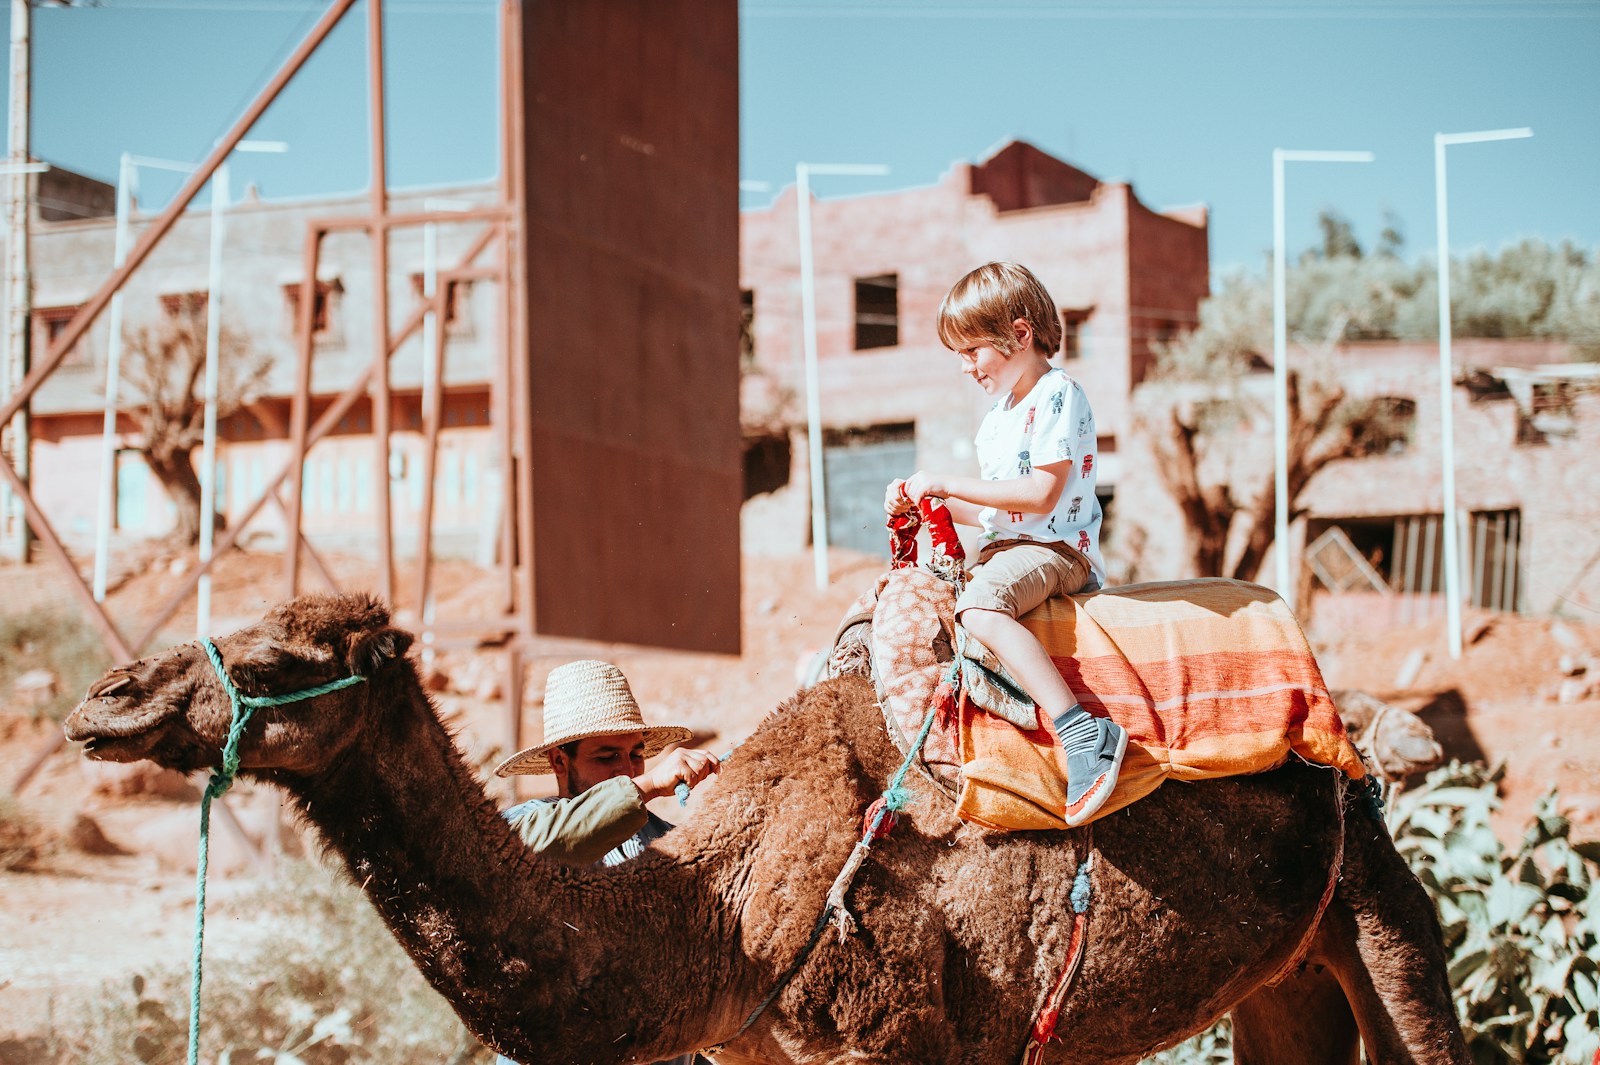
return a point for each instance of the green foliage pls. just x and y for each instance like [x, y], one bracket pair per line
[56, 639]
[1523, 940]
[1521, 935]
[326, 985]
[1334, 293]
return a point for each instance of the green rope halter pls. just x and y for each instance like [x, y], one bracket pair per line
[244, 706]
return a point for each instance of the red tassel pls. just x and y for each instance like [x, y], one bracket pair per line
[942, 529]
[944, 703]
[903, 539]
[1044, 1026]
[886, 826]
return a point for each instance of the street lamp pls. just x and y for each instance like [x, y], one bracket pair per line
[208, 446]
[1452, 562]
[1280, 355]
[127, 188]
[808, 314]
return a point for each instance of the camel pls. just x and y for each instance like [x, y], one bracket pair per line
[1201, 893]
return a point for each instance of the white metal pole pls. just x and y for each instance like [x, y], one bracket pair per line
[1280, 388]
[1280, 358]
[808, 318]
[1452, 556]
[126, 183]
[208, 446]
[1452, 549]
[808, 314]
[19, 287]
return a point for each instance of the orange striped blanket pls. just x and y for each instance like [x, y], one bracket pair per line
[1211, 678]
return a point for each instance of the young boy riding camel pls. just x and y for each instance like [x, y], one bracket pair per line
[1034, 503]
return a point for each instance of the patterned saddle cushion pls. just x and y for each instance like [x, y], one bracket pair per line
[1210, 678]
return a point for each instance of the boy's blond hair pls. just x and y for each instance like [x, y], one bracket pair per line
[981, 307]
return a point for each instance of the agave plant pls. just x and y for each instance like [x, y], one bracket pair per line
[1523, 940]
[1522, 936]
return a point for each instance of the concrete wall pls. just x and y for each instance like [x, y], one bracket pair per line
[1552, 484]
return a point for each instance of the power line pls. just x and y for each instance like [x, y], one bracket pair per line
[1426, 10]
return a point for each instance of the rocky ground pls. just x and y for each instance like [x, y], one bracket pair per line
[100, 879]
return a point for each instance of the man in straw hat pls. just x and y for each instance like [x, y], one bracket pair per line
[595, 742]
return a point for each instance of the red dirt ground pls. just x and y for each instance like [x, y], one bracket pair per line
[74, 920]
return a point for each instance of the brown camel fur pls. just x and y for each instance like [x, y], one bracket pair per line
[1202, 892]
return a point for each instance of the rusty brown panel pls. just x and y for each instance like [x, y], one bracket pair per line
[631, 161]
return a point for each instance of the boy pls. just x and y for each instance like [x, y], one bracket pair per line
[1035, 503]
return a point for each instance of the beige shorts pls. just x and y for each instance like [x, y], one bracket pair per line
[1014, 576]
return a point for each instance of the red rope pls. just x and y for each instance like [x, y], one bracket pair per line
[1044, 1025]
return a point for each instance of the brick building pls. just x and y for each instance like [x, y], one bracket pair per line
[1370, 546]
[891, 396]
[263, 265]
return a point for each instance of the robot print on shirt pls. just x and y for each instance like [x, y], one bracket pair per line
[1058, 401]
[1088, 464]
[1027, 425]
[1072, 511]
[1051, 524]
[1084, 425]
[1024, 464]
[1083, 540]
[1063, 451]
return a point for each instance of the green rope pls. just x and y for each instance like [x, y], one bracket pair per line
[895, 798]
[243, 708]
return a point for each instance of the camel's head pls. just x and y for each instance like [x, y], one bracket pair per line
[1398, 743]
[173, 710]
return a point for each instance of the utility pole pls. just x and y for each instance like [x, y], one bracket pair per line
[19, 285]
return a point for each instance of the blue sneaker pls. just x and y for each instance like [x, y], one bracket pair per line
[1092, 770]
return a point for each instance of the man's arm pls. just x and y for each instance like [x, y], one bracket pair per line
[582, 829]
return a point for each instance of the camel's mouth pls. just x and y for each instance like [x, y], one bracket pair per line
[113, 725]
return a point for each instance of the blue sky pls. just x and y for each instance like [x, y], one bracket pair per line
[1184, 98]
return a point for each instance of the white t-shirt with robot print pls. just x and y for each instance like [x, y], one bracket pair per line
[1052, 424]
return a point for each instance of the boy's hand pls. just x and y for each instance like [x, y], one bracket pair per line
[922, 483]
[895, 500]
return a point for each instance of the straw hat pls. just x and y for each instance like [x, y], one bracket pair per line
[583, 699]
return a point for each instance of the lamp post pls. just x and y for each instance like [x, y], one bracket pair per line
[127, 189]
[808, 315]
[208, 444]
[1447, 428]
[1280, 356]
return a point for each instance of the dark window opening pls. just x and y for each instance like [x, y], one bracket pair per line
[321, 307]
[1072, 322]
[1384, 426]
[877, 311]
[747, 328]
[766, 465]
[185, 305]
[455, 294]
[48, 324]
[1550, 413]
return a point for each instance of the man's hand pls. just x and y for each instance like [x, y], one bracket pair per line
[683, 765]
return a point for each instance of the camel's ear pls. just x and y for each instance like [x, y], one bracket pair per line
[371, 651]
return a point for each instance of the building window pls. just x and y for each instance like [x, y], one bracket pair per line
[1073, 320]
[1386, 427]
[747, 328]
[457, 295]
[877, 311]
[191, 305]
[48, 324]
[1549, 414]
[322, 308]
